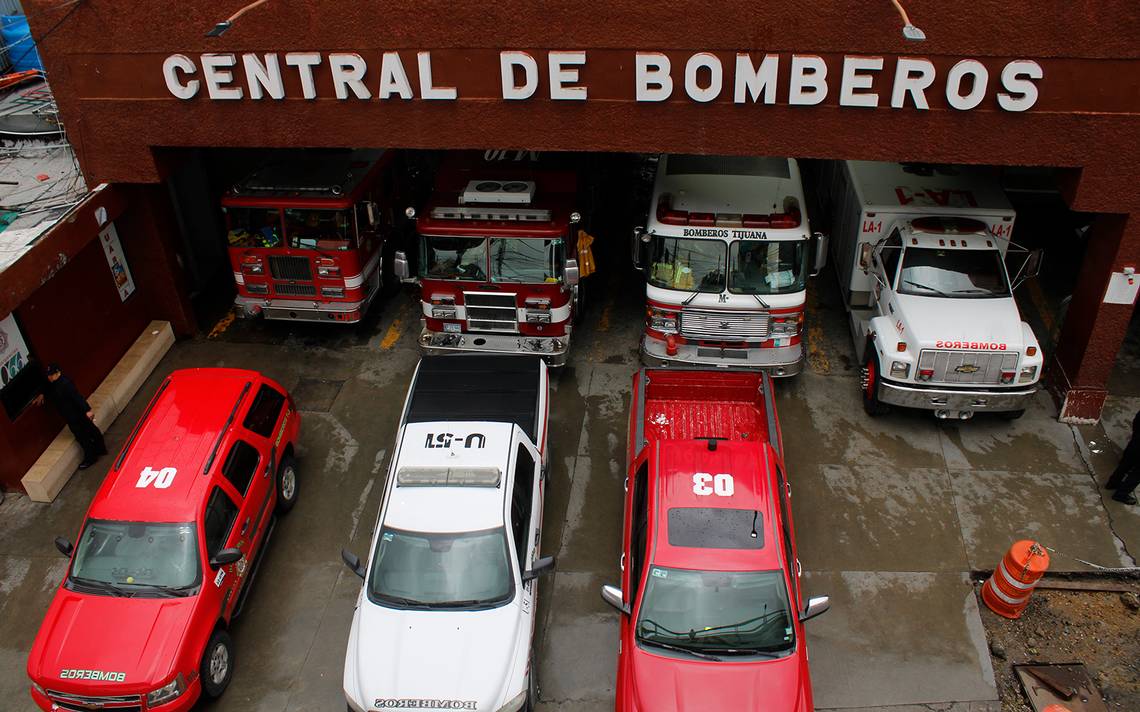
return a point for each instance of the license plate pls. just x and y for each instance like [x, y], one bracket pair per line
[452, 328]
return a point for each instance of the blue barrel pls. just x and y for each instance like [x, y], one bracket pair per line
[17, 37]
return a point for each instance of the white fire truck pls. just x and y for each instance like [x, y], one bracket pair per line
[726, 254]
[498, 256]
[920, 252]
[446, 615]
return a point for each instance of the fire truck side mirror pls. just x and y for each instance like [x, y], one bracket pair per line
[370, 208]
[400, 266]
[571, 272]
[820, 243]
[865, 250]
[639, 247]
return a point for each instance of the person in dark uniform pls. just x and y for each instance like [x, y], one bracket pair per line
[1127, 474]
[76, 412]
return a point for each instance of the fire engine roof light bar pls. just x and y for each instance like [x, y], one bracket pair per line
[909, 30]
[220, 29]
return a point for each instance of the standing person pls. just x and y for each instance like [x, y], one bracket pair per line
[1127, 474]
[76, 412]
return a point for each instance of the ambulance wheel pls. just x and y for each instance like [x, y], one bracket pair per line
[1012, 414]
[217, 664]
[286, 485]
[871, 403]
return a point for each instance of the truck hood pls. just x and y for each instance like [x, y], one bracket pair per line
[667, 685]
[940, 322]
[135, 637]
[464, 657]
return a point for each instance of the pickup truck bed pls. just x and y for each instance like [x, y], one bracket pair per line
[502, 389]
[687, 405]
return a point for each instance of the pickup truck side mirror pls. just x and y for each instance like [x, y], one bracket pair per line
[225, 556]
[64, 545]
[400, 266]
[541, 567]
[815, 606]
[865, 250]
[1030, 268]
[352, 561]
[820, 243]
[571, 272]
[613, 596]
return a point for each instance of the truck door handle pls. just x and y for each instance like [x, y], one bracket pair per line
[799, 568]
[625, 485]
[622, 563]
[788, 487]
[244, 526]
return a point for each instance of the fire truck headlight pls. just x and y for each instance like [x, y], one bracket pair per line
[537, 317]
[252, 265]
[332, 292]
[901, 369]
[1028, 373]
[786, 325]
[444, 313]
[575, 218]
[663, 321]
[167, 692]
[410, 212]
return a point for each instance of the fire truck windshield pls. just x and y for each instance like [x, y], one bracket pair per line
[254, 227]
[319, 229]
[717, 612]
[528, 260]
[932, 272]
[692, 265]
[135, 558]
[763, 267]
[454, 258]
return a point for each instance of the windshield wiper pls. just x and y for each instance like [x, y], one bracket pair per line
[104, 586]
[762, 302]
[404, 601]
[172, 591]
[750, 651]
[681, 649]
[925, 286]
[470, 602]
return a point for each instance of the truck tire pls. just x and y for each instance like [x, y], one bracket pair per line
[871, 403]
[287, 483]
[1012, 414]
[217, 666]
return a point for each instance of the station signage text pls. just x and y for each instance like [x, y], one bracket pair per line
[702, 77]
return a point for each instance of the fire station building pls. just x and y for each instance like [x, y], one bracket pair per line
[145, 95]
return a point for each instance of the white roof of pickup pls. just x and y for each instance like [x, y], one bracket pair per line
[728, 184]
[450, 508]
[913, 187]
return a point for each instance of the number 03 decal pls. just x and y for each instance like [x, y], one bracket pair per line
[161, 479]
[705, 484]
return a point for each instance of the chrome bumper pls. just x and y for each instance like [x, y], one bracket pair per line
[779, 361]
[553, 349]
[304, 310]
[954, 401]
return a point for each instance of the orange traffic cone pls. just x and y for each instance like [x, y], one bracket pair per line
[1007, 591]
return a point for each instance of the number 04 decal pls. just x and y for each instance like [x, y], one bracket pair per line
[161, 479]
[705, 484]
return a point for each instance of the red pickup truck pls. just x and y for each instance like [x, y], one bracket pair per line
[711, 604]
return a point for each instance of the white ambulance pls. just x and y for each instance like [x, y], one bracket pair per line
[921, 254]
[446, 615]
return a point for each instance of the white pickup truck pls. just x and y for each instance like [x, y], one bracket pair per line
[921, 254]
[446, 614]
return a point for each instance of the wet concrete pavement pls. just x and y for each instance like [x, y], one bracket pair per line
[891, 514]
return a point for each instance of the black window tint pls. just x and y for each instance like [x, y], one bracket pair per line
[263, 413]
[521, 502]
[640, 527]
[892, 251]
[220, 515]
[240, 465]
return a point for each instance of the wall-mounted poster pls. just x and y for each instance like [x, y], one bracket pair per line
[13, 350]
[120, 271]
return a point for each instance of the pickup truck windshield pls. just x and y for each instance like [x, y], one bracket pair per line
[136, 558]
[721, 613]
[763, 267]
[529, 260]
[441, 571]
[692, 265]
[932, 272]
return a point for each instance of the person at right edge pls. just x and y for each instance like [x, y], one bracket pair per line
[76, 412]
[1127, 474]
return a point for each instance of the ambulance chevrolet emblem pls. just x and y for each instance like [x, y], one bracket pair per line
[967, 368]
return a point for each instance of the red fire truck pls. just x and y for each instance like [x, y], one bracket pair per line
[498, 258]
[711, 597]
[308, 235]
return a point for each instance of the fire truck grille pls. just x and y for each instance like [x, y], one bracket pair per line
[290, 267]
[295, 290]
[84, 703]
[491, 312]
[724, 325]
[967, 366]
